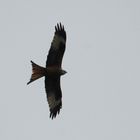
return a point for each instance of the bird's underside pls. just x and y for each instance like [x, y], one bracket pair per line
[53, 71]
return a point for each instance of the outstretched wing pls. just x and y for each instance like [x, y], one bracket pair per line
[54, 95]
[57, 49]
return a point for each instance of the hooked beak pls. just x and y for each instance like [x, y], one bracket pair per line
[64, 72]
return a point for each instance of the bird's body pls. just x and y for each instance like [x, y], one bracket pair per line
[52, 71]
[55, 71]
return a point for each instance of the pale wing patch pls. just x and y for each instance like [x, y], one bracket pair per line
[53, 102]
[57, 40]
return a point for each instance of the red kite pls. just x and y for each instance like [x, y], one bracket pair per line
[52, 71]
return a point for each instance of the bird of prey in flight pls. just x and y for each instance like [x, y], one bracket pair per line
[53, 71]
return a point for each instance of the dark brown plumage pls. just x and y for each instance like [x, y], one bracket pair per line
[53, 71]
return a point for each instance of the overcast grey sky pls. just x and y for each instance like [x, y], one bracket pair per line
[101, 90]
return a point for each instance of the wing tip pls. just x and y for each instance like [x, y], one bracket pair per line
[59, 27]
[55, 111]
[60, 30]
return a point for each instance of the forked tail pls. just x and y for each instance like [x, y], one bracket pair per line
[37, 72]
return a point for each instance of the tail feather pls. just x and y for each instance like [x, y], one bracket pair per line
[37, 72]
